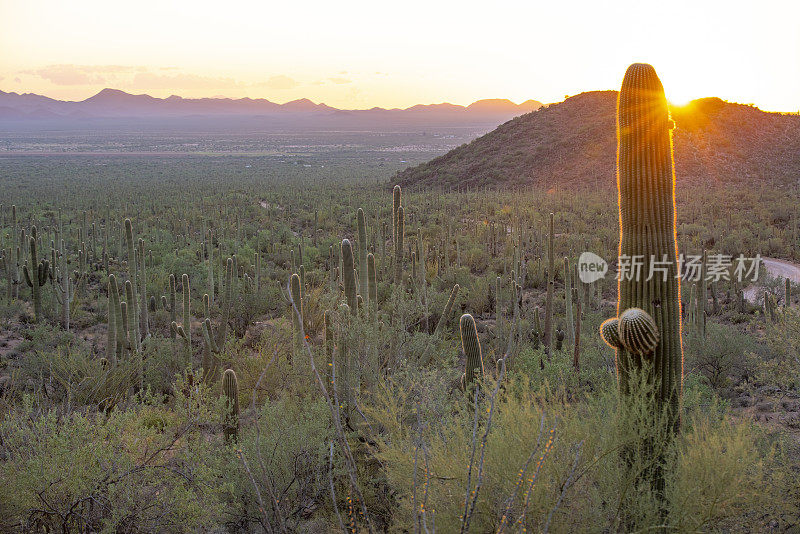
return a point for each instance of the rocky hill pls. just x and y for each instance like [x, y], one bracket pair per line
[574, 142]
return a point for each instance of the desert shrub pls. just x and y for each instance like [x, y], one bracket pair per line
[427, 464]
[723, 357]
[782, 367]
[70, 377]
[248, 304]
[477, 296]
[162, 360]
[286, 449]
[136, 470]
[46, 337]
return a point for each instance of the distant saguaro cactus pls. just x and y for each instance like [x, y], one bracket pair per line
[230, 389]
[548, 306]
[65, 287]
[349, 276]
[471, 346]
[184, 331]
[363, 278]
[398, 246]
[448, 309]
[372, 284]
[395, 206]
[133, 271]
[297, 316]
[568, 300]
[36, 275]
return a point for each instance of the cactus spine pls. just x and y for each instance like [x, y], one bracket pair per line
[230, 389]
[646, 187]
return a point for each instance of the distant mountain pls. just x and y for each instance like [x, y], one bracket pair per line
[498, 105]
[113, 103]
[574, 142]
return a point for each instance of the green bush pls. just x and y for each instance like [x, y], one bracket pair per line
[712, 462]
[143, 469]
[724, 357]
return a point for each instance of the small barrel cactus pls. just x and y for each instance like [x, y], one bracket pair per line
[609, 331]
[638, 331]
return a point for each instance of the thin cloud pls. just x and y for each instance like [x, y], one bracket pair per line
[280, 82]
[151, 81]
[340, 81]
[68, 74]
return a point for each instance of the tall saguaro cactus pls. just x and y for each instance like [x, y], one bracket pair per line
[471, 346]
[548, 307]
[396, 197]
[133, 272]
[184, 331]
[65, 292]
[36, 274]
[142, 276]
[372, 285]
[568, 300]
[230, 389]
[363, 277]
[213, 345]
[398, 246]
[646, 187]
[448, 308]
[349, 276]
[297, 316]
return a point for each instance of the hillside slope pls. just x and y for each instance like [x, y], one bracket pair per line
[574, 142]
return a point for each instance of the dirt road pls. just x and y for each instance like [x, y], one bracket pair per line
[778, 269]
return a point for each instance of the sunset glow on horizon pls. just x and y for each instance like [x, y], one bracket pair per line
[363, 54]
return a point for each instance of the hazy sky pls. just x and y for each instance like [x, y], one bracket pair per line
[395, 54]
